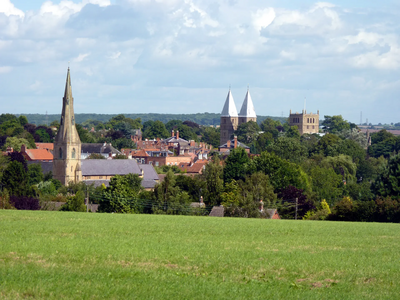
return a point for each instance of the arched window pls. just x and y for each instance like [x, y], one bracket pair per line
[73, 153]
[60, 153]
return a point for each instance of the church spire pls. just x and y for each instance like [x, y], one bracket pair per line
[229, 109]
[67, 131]
[247, 110]
[67, 144]
[68, 88]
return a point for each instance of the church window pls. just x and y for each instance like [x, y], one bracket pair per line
[60, 153]
[73, 153]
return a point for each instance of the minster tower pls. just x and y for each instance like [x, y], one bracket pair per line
[229, 119]
[67, 144]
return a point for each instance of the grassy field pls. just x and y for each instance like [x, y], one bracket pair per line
[61, 255]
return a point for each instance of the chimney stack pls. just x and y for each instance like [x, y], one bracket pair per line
[228, 143]
[23, 148]
[235, 141]
[177, 134]
[172, 133]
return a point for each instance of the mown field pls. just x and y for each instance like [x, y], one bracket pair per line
[60, 255]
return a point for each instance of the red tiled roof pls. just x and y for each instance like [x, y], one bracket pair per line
[151, 149]
[139, 153]
[46, 146]
[38, 154]
[197, 167]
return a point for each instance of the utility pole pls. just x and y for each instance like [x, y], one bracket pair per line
[297, 202]
[87, 199]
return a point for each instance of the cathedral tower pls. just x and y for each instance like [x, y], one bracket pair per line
[247, 112]
[229, 119]
[67, 144]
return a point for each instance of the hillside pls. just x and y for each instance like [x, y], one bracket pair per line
[55, 255]
[199, 118]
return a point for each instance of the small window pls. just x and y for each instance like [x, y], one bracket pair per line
[73, 153]
[157, 163]
[60, 154]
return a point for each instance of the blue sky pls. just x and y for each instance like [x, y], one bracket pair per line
[181, 56]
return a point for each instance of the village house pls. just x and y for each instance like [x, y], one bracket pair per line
[232, 144]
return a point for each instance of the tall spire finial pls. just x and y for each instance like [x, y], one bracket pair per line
[229, 87]
[68, 65]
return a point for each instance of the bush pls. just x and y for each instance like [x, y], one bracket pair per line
[344, 210]
[5, 200]
[25, 203]
[75, 203]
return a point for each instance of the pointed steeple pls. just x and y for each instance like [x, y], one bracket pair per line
[67, 144]
[229, 109]
[247, 109]
[68, 88]
[67, 131]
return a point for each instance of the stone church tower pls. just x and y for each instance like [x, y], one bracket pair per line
[247, 112]
[67, 144]
[229, 119]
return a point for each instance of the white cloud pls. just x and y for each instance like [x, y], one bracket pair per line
[164, 50]
[5, 69]
[388, 60]
[9, 9]
[80, 57]
[263, 17]
[115, 55]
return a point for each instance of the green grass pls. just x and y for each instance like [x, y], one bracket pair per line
[61, 255]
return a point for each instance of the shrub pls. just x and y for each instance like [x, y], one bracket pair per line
[5, 200]
[75, 203]
[25, 203]
[344, 210]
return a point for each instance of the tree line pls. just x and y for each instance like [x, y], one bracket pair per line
[204, 119]
[336, 176]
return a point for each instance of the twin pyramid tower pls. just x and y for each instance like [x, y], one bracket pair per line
[231, 120]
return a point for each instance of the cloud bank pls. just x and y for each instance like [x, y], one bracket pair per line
[181, 56]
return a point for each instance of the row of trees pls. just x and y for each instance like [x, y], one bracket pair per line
[337, 169]
[204, 119]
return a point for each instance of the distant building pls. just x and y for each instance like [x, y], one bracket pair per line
[36, 154]
[106, 150]
[230, 119]
[232, 144]
[306, 123]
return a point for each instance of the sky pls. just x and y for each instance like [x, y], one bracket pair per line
[182, 56]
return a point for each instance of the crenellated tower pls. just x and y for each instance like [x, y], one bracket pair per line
[67, 144]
